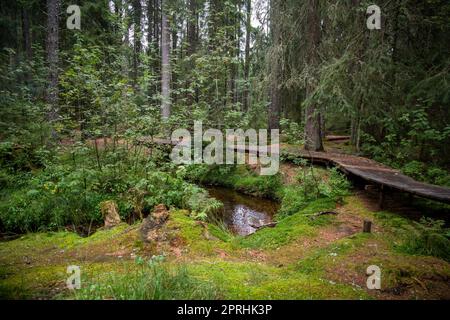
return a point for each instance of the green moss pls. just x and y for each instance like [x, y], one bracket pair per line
[193, 234]
[290, 228]
[32, 282]
[257, 281]
[316, 262]
[34, 244]
[220, 262]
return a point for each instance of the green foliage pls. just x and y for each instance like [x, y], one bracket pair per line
[413, 140]
[67, 191]
[312, 186]
[430, 238]
[239, 178]
[427, 173]
[150, 280]
[292, 131]
[201, 205]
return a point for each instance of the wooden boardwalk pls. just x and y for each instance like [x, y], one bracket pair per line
[366, 169]
[375, 173]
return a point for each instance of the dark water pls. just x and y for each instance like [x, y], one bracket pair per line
[243, 213]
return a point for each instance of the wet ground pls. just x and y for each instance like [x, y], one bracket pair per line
[242, 214]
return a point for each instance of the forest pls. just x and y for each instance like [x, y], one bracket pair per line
[225, 149]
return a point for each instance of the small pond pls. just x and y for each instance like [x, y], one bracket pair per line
[243, 214]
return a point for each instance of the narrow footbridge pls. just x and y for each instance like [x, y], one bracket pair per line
[374, 172]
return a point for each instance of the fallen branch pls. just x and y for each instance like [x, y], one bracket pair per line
[323, 213]
[269, 225]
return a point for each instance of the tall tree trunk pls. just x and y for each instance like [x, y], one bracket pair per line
[174, 26]
[26, 33]
[126, 40]
[52, 60]
[192, 41]
[232, 35]
[137, 46]
[150, 18]
[192, 34]
[165, 66]
[313, 136]
[275, 72]
[156, 21]
[248, 28]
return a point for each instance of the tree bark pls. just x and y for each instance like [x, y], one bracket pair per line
[165, 62]
[137, 47]
[247, 54]
[53, 7]
[192, 33]
[156, 21]
[275, 73]
[26, 33]
[313, 136]
[150, 18]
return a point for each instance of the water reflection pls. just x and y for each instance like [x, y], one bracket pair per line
[244, 214]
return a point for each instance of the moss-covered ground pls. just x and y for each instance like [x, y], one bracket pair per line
[303, 257]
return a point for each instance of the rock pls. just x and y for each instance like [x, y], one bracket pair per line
[153, 223]
[110, 213]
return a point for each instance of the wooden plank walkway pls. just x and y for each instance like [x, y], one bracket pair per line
[366, 169]
[376, 173]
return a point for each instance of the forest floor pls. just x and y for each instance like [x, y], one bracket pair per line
[301, 258]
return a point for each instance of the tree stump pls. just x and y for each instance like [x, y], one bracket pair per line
[110, 213]
[367, 228]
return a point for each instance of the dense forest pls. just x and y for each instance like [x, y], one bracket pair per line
[92, 90]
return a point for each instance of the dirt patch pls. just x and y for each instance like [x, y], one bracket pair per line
[288, 172]
[344, 226]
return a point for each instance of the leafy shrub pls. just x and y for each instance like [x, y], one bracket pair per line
[311, 187]
[438, 176]
[292, 131]
[259, 186]
[428, 238]
[48, 205]
[200, 204]
[415, 169]
[68, 192]
[337, 186]
[239, 178]
[423, 172]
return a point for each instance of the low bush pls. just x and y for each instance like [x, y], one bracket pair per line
[311, 187]
[68, 192]
[239, 178]
[429, 237]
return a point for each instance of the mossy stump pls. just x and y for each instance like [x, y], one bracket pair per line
[110, 213]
